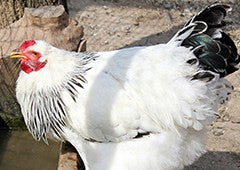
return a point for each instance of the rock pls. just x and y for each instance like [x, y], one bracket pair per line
[167, 17]
[136, 23]
[137, 20]
[167, 5]
[218, 131]
[49, 23]
[226, 117]
[105, 7]
[69, 159]
[235, 119]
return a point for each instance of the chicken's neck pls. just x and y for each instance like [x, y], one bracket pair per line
[42, 98]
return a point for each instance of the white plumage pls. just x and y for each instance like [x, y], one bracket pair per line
[143, 108]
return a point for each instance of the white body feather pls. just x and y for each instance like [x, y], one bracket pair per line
[140, 89]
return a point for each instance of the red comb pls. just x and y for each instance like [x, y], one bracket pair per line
[26, 44]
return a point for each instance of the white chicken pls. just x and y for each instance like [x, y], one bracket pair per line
[140, 108]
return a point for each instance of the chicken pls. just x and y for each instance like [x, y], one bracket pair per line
[140, 108]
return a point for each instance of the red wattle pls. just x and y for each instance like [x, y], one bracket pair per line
[25, 68]
[37, 66]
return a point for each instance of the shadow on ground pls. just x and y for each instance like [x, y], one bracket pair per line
[4, 138]
[154, 39]
[217, 161]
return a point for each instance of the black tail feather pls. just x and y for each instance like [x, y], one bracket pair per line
[214, 49]
[213, 15]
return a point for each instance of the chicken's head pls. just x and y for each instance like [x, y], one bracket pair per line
[31, 57]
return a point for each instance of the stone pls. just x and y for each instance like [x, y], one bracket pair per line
[226, 117]
[69, 159]
[218, 131]
[235, 119]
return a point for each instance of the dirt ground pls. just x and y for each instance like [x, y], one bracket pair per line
[113, 24]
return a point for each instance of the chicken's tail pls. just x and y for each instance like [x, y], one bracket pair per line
[215, 51]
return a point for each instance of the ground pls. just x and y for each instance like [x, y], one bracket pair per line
[113, 24]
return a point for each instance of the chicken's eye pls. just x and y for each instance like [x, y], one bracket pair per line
[34, 53]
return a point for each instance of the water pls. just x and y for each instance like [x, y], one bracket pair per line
[19, 151]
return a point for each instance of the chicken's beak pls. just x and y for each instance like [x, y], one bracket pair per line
[16, 54]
